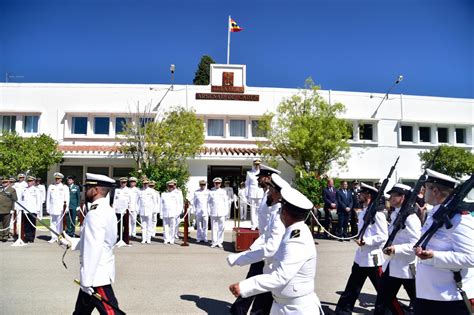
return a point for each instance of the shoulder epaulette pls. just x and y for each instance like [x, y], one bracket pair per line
[93, 207]
[295, 233]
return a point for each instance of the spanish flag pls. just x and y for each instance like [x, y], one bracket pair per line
[234, 28]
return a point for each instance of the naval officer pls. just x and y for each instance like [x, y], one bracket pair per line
[448, 251]
[291, 275]
[254, 192]
[98, 236]
[57, 200]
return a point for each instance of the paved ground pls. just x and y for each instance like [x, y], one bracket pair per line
[154, 279]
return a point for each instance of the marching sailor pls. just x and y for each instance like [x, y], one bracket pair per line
[369, 257]
[57, 200]
[96, 242]
[399, 268]
[290, 278]
[448, 251]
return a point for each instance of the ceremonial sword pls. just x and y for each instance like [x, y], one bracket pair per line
[102, 299]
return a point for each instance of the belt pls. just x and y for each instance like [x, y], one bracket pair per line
[298, 300]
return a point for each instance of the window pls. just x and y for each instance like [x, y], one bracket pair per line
[256, 129]
[366, 132]
[407, 133]
[120, 123]
[7, 123]
[425, 134]
[101, 125]
[122, 171]
[31, 124]
[69, 170]
[98, 170]
[79, 125]
[460, 135]
[443, 135]
[238, 128]
[144, 121]
[215, 127]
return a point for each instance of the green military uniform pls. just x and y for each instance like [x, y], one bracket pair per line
[7, 200]
[74, 201]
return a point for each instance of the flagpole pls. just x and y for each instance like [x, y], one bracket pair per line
[228, 40]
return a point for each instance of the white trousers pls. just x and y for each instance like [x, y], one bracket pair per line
[152, 229]
[56, 225]
[146, 224]
[169, 230]
[176, 227]
[254, 205]
[243, 209]
[217, 224]
[133, 223]
[202, 222]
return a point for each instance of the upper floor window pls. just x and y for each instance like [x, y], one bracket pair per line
[256, 130]
[120, 123]
[144, 121]
[79, 125]
[101, 125]
[7, 123]
[30, 124]
[425, 134]
[442, 135]
[460, 135]
[238, 128]
[366, 132]
[215, 127]
[407, 133]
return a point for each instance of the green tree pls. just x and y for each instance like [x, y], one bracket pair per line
[160, 148]
[35, 154]
[452, 161]
[306, 132]
[201, 77]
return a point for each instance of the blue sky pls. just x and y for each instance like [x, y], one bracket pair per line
[343, 45]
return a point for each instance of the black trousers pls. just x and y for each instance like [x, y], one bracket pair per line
[343, 222]
[387, 293]
[354, 285]
[86, 303]
[431, 307]
[353, 223]
[30, 230]
[4, 224]
[262, 303]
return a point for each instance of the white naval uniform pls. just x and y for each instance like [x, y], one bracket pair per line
[146, 207]
[56, 198]
[403, 242]
[134, 191]
[154, 219]
[201, 209]
[42, 191]
[19, 187]
[30, 199]
[230, 196]
[453, 251]
[375, 237]
[171, 204]
[265, 246]
[291, 275]
[254, 195]
[263, 213]
[242, 195]
[177, 219]
[219, 210]
[122, 200]
[98, 237]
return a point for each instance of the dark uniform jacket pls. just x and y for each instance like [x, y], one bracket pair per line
[74, 196]
[6, 202]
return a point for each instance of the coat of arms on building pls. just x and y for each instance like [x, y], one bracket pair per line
[227, 79]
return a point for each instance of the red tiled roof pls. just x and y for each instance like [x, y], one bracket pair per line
[116, 149]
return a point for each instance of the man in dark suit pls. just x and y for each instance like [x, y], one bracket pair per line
[330, 203]
[344, 207]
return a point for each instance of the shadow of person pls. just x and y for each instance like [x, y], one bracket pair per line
[228, 247]
[210, 306]
[329, 308]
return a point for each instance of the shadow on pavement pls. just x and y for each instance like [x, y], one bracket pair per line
[329, 308]
[210, 306]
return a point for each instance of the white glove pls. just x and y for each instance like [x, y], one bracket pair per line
[88, 290]
[12, 211]
[78, 209]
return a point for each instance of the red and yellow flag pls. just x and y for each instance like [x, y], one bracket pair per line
[234, 27]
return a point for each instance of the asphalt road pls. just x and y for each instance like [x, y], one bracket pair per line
[155, 278]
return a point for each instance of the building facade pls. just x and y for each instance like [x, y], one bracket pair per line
[86, 120]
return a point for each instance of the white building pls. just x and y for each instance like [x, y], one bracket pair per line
[86, 118]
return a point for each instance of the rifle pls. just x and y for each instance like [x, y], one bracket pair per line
[409, 206]
[369, 216]
[446, 211]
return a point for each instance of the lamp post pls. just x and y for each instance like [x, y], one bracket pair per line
[172, 70]
[399, 79]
